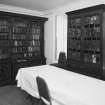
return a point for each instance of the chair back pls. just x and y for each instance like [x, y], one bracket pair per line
[62, 59]
[43, 89]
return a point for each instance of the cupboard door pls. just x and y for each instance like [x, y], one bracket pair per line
[74, 38]
[91, 39]
[5, 72]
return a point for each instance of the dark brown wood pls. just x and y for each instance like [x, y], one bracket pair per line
[100, 7]
[21, 42]
[85, 41]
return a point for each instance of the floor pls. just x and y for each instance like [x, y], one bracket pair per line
[12, 95]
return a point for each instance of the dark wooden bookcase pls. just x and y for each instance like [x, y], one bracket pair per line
[86, 41]
[21, 43]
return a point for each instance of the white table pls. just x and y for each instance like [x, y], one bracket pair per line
[65, 87]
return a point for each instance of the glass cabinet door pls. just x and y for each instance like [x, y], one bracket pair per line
[91, 39]
[19, 38]
[74, 39]
[4, 37]
[34, 39]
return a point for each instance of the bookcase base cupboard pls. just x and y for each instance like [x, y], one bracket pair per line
[21, 43]
[86, 41]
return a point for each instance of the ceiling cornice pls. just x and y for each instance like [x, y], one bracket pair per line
[14, 9]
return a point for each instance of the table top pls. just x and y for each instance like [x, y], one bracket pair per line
[66, 87]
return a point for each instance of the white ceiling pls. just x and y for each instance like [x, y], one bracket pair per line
[40, 5]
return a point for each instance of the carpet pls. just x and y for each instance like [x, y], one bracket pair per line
[12, 95]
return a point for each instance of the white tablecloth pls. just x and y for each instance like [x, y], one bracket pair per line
[65, 87]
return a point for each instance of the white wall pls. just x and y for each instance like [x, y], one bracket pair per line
[50, 39]
[76, 4]
[50, 27]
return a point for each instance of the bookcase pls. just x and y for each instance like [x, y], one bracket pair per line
[86, 41]
[26, 39]
[21, 43]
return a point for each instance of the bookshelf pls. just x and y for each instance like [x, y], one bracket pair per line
[85, 41]
[21, 43]
[4, 37]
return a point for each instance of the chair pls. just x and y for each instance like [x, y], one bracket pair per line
[62, 60]
[45, 98]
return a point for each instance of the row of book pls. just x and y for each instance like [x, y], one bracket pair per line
[91, 44]
[94, 58]
[3, 22]
[4, 36]
[85, 51]
[90, 58]
[4, 51]
[31, 54]
[26, 29]
[87, 36]
[25, 49]
[74, 55]
[26, 43]
[4, 28]
[20, 24]
[35, 30]
[87, 31]
[95, 19]
[73, 32]
[25, 36]
[34, 36]
[4, 43]
[20, 29]
[18, 36]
